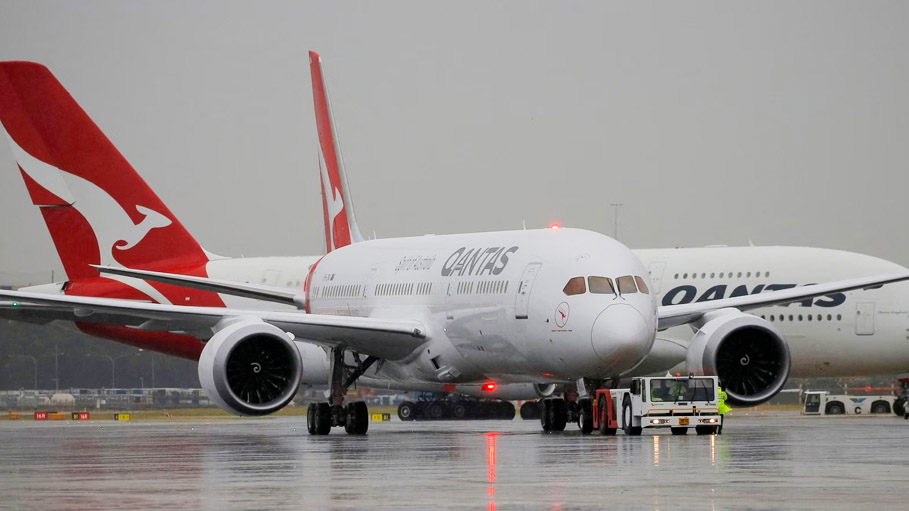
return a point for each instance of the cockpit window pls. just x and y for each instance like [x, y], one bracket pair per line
[575, 286]
[626, 285]
[600, 285]
[641, 286]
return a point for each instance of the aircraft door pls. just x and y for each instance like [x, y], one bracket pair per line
[656, 276]
[864, 318]
[368, 293]
[522, 300]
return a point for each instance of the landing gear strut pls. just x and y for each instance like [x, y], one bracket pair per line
[321, 417]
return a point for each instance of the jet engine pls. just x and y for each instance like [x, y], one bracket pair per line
[250, 367]
[747, 353]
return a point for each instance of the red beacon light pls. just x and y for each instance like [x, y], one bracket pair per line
[555, 226]
[489, 386]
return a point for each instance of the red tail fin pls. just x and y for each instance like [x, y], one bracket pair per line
[340, 223]
[97, 208]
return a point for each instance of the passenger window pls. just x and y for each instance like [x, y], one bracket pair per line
[641, 286]
[575, 286]
[601, 285]
[626, 285]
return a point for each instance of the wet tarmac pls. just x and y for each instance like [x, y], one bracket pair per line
[779, 462]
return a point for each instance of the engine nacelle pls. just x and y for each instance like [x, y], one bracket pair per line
[316, 365]
[250, 367]
[747, 353]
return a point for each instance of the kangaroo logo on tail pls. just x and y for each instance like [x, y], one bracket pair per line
[112, 226]
[340, 224]
[152, 220]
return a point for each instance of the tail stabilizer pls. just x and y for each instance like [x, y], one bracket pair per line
[340, 221]
[96, 206]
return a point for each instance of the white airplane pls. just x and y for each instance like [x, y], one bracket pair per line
[841, 334]
[517, 307]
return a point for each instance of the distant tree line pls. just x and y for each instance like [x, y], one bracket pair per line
[82, 361]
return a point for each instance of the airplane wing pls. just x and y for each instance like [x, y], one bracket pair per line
[674, 315]
[387, 339]
[259, 292]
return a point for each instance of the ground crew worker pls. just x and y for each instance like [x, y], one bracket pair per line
[722, 407]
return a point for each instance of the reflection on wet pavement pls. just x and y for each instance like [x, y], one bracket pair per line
[786, 462]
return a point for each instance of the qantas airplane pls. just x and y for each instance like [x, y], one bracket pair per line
[519, 307]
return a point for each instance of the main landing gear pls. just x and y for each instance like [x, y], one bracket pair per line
[321, 417]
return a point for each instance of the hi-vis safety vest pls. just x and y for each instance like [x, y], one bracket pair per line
[721, 402]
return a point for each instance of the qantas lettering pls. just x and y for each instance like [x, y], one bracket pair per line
[687, 294]
[477, 261]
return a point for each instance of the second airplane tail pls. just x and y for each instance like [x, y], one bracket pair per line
[96, 206]
[340, 222]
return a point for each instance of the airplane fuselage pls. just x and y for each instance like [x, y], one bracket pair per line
[845, 334]
[496, 304]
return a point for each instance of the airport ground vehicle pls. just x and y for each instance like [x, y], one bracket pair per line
[677, 403]
[824, 403]
[428, 408]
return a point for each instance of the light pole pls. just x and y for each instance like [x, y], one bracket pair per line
[34, 361]
[153, 366]
[615, 227]
[56, 368]
[113, 366]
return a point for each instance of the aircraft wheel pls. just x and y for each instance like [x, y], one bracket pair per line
[406, 411]
[459, 411]
[679, 431]
[559, 414]
[311, 418]
[546, 415]
[321, 419]
[357, 418]
[899, 406]
[434, 411]
[585, 416]
[530, 410]
[506, 411]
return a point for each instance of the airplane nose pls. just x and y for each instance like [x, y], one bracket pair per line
[621, 337]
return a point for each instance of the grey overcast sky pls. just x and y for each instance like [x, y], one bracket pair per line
[779, 123]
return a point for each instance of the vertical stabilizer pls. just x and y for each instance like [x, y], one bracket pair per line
[340, 222]
[96, 206]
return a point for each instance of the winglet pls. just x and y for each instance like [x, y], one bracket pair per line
[340, 221]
